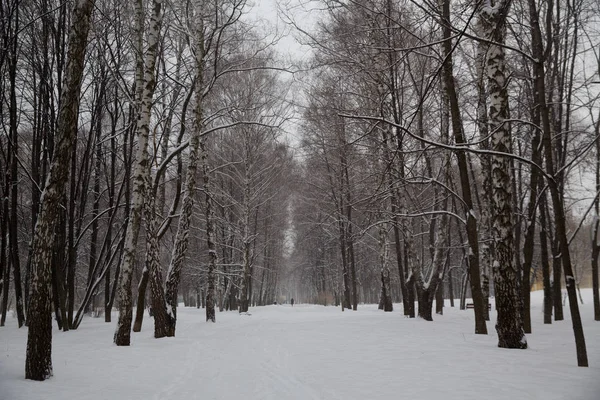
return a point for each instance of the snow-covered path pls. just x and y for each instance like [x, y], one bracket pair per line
[309, 352]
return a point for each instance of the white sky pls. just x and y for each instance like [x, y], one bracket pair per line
[274, 15]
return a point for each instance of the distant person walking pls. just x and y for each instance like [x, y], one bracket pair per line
[292, 301]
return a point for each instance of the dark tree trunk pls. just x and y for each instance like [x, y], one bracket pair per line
[385, 303]
[111, 204]
[425, 304]
[38, 363]
[556, 280]
[595, 253]
[558, 206]
[457, 129]
[141, 301]
[528, 247]
[450, 288]
[545, 261]
[350, 239]
[4, 264]
[5, 288]
[13, 237]
[439, 299]
[410, 305]
[596, 227]
[463, 292]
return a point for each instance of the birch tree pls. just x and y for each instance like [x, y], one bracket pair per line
[183, 229]
[145, 85]
[509, 324]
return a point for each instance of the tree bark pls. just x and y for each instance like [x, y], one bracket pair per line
[160, 309]
[38, 362]
[183, 229]
[386, 295]
[509, 325]
[596, 228]
[147, 80]
[559, 212]
[457, 129]
[212, 251]
[13, 239]
[487, 249]
[545, 260]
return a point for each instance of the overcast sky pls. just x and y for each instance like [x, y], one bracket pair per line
[274, 15]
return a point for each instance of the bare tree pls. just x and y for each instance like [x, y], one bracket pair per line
[145, 85]
[509, 323]
[38, 363]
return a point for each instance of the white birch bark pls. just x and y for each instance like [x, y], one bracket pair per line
[509, 323]
[246, 240]
[141, 171]
[210, 235]
[183, 229]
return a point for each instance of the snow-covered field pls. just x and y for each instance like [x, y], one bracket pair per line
[310, 352]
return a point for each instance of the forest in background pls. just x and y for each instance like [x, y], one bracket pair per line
[156, 152]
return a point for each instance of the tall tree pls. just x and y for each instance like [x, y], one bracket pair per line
[183, 229]
[557, 202]
[459, 137]
[509, 323]
[145, 85]
[38, 362]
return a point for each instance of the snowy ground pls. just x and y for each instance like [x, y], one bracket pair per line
[310, 352]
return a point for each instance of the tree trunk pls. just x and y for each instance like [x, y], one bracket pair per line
[147, 80]
[183, 229]
[545, 261]
[439, 299]
[38, 362]
[450, 288]
[386, 295]
[596, 227]
[559, 211]
[140, 304]
[160, 311]
[463, 292]
[210, 229]
[485, 204]
[457, 129]
[13, 238]
[509, 324]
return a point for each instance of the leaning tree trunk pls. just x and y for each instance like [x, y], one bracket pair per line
[183, 229]
[38, 362]
[509, 324]
[146, 79]
[558, 206]
[459, 137]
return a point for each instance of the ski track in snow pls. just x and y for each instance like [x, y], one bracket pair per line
[310, 352]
